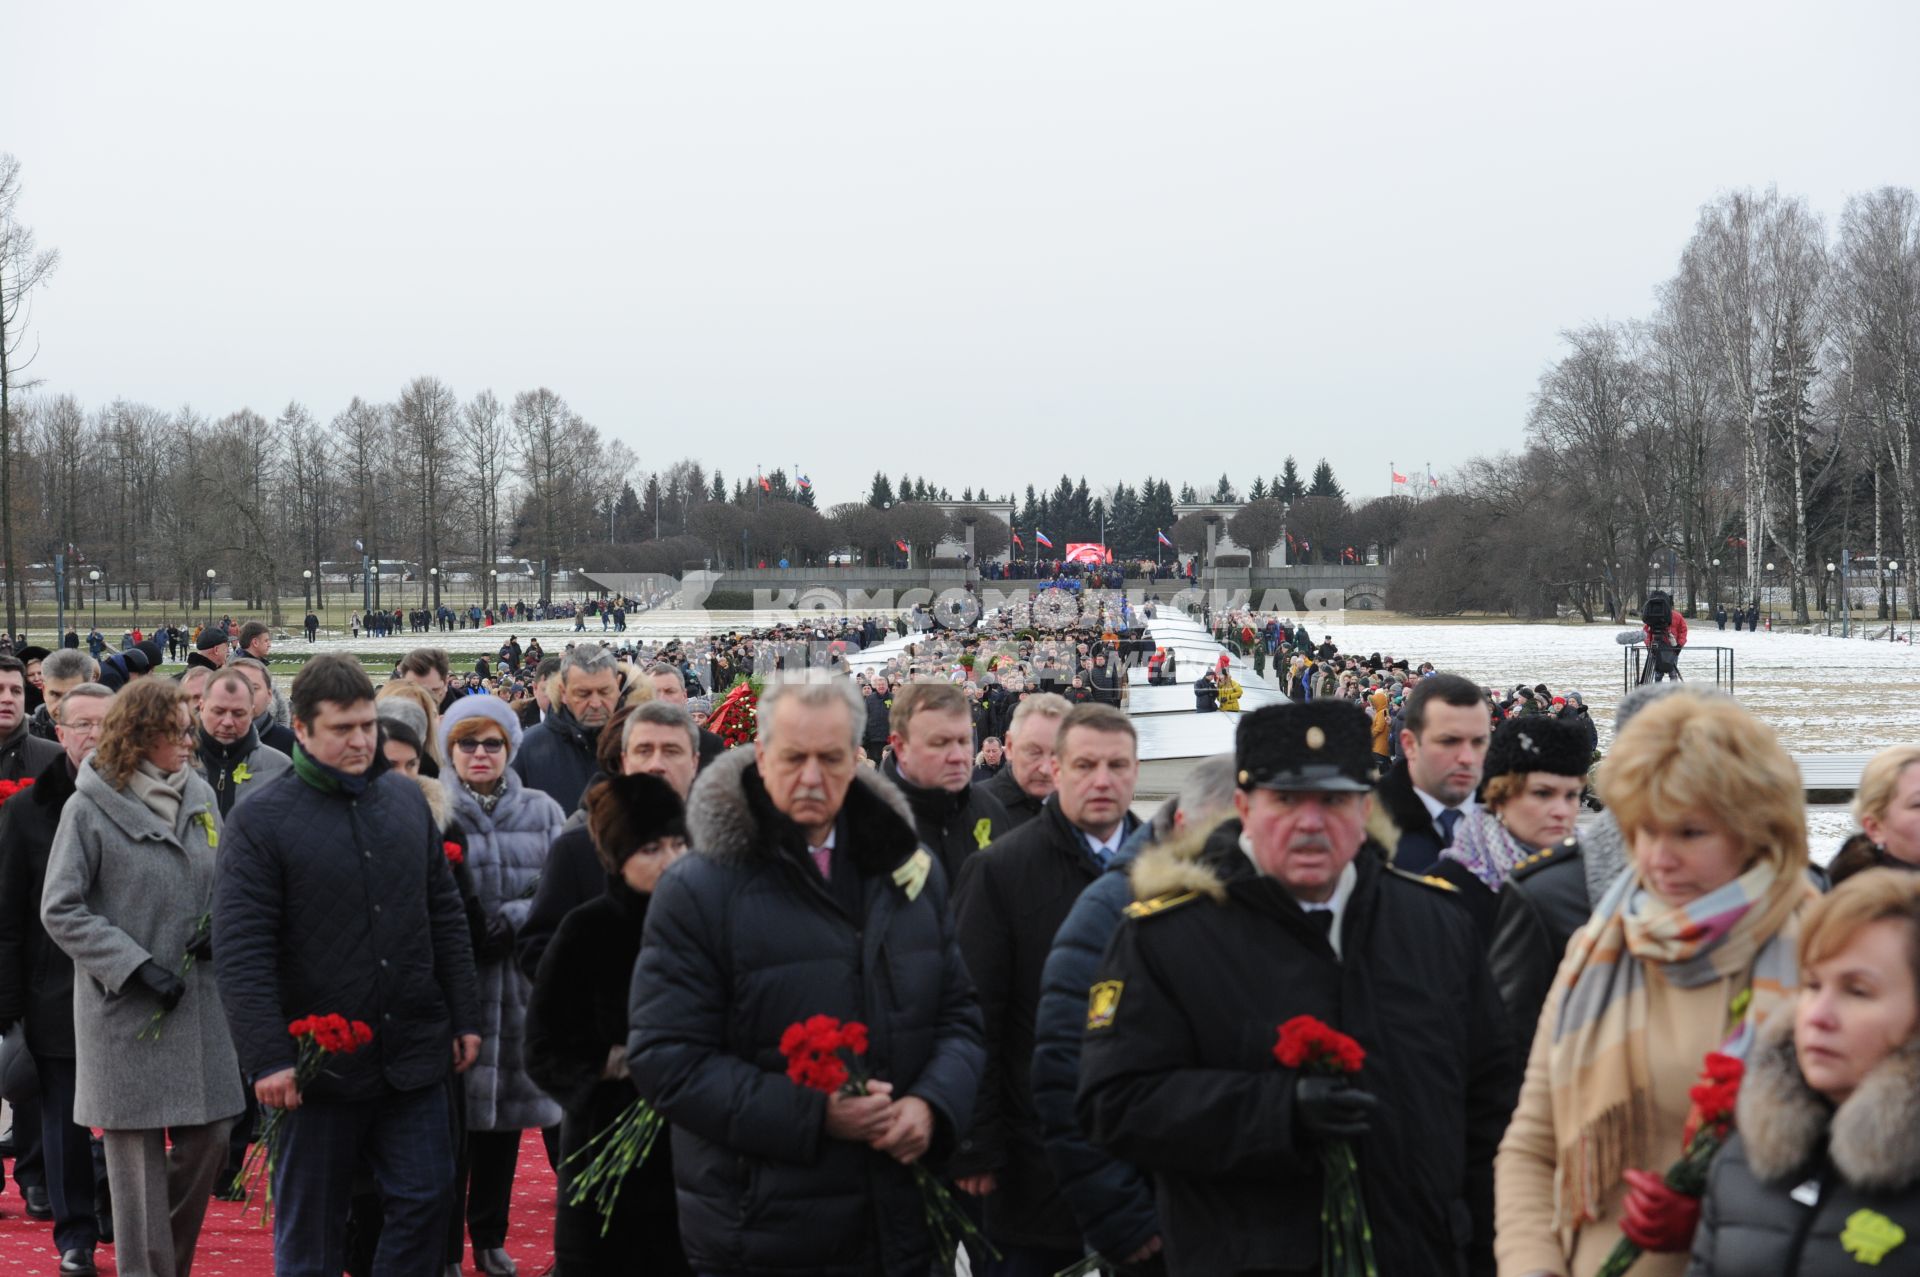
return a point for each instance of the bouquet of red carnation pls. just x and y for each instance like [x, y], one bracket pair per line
[734, 719]
[8, 788]
[319, 1036]
[813, 1048]
[1709, 1125]
[1346, 1239]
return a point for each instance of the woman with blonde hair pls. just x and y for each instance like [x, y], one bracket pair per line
[1691, 951]
[128, 892]
[1823, 1173]
[1887, 805]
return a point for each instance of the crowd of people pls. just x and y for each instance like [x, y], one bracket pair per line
[1052, 1034]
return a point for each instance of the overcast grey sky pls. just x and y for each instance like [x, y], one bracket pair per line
[988, 242]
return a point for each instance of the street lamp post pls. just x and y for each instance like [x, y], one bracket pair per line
[1769, 589]
[1893, 622]
[433, 575]
[306, 577]
[1830, 571]
[1713, 586]
[209, 598]
[493, 578]
[94, 576]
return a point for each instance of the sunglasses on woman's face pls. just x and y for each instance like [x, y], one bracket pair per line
[491, 745]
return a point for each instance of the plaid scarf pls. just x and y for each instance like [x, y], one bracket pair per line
[1484, 846]
[1597, 1062]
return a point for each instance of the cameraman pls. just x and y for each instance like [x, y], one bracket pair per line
[1664, 631]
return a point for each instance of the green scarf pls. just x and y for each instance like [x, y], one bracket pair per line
[328, 780]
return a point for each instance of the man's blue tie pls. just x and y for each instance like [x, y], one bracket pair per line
[1448, 819]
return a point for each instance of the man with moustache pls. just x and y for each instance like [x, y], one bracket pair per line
[1284, 912]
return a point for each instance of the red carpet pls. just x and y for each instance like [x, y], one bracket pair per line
[234, 1247]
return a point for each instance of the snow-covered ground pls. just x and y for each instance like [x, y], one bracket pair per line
[1823, 695]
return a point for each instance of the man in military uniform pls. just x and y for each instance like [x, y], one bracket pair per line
[1287, 911]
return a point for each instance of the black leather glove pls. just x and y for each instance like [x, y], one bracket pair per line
[1330, 1109]
[200, 943]
[162, 983]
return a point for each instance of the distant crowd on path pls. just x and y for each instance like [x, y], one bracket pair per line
[387, 622]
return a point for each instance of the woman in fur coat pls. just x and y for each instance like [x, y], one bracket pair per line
[1823, 1176]
[577, 1032]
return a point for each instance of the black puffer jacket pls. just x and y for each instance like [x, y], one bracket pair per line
[329, 902]
[743, 939]
[558, 757]
[1178, 1074]
[1858, 854]
[1808, 1190]
[952, 825]
[1008, 905]
[36, 975]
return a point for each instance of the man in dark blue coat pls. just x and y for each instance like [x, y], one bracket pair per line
[333, 895]
[807, 893]
[558, 755]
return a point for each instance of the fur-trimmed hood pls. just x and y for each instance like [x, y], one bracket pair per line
[1182, 862]
[723, 825]
[1873, 1138]
[437, 801]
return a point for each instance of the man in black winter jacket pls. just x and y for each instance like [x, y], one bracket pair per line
[333, 895]
[36, 975]
[1288, 911]
[228, 751]
[1024, 783]
[932, 763]
[558, 755]
[1008, 904]
[22, 754]
[807, 893]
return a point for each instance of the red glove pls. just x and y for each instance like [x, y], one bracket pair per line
[1656, 1218]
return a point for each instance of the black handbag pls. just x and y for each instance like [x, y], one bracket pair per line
[19, 1078]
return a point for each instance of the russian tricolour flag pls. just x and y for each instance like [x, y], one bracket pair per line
[1041, 537]
[1163, 538]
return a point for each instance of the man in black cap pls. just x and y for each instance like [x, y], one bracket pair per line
[1289, 911]
[210, 649]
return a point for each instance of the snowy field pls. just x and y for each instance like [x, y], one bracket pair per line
[1822, 695]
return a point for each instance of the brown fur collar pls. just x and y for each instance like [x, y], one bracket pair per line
[1176, 865]
[438, 803]
[1873, 1138]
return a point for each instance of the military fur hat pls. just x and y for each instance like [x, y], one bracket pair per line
[1538, 743]
[1322, 745]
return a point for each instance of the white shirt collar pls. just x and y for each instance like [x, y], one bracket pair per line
[1435, 806]
[1111, 847]
[828, 844]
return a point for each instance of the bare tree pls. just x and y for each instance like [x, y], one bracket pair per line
[1257, 527]
[23, 268]
[487, 450]
[428, 416]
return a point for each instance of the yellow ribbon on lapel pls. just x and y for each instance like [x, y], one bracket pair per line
[912, 876]
[1869, 1235]
[983, 832]
[204, 817]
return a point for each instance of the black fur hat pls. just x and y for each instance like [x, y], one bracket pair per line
[625, 813]
[1538, 743]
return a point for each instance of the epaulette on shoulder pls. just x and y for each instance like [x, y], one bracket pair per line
[1546, 856]
[1425, 880]
[1161, 903]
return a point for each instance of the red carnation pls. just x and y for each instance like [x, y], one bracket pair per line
[1310, 1044]
[455, 853]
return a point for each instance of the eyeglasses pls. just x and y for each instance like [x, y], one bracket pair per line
[492, 745]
